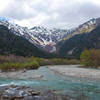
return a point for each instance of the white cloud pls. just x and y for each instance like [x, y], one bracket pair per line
[50, 13]
[4, 4]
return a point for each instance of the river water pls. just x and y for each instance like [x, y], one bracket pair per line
[90, 90]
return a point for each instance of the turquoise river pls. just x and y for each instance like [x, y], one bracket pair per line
[63, 84]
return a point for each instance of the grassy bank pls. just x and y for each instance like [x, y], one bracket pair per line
[17, 62]
[56, 61]
[18, 66]
[12, 62]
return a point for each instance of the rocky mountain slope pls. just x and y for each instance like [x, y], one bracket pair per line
[16, 45]
[84, 28]
[51, 40]
[41, 37]
[86, 36]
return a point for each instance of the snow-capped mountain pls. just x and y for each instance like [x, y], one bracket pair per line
[42, 37]
[87, 26]
[46, 38]
[84, 28]
[49, 37]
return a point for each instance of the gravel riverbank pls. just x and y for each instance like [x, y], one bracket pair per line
[22, 74]
[77, 71]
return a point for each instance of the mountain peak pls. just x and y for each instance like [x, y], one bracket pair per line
[42, 36]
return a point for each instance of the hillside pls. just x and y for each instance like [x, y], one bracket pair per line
[17, 45]
[38, 41]
[46, 38]
[72, 47]
[41, 37]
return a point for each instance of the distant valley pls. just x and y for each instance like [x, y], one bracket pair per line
[63, 42]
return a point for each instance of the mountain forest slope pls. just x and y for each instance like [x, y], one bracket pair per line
[17, 45]
[73, 47]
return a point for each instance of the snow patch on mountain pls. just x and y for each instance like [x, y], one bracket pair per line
[40, 36]
[46, 38]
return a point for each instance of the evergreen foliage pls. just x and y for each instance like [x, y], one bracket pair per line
[79, 42]
[16, 45]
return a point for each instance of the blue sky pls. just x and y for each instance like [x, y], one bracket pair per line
[50, 13]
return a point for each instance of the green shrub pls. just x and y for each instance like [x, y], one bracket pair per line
[18, 62]
[73, 61]
[90, 58]
[32, 65]
[10, 66]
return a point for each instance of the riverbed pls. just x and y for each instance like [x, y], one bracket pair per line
[55, 78]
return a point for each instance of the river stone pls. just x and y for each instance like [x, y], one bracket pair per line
[12, 92]
[23, 93]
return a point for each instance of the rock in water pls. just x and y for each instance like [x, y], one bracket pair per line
[13, 92]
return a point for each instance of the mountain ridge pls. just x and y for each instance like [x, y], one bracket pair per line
[47, 39]
[16, 45]
[39, 36]
[75, 45]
